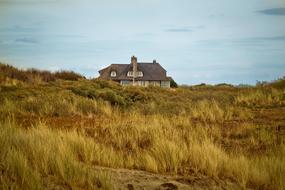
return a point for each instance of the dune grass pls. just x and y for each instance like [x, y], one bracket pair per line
[34, 157]
[58, 130]
[38, 158]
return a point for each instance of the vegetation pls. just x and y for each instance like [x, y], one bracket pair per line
[55, 132]
[41, 157]
[173, 84]
[34, 76]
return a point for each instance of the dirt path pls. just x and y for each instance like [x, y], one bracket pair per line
[124, 179]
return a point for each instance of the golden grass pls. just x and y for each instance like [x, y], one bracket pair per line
[38, 157]
[262, 98]
[221, 133]
[31, 156]
[175, 146]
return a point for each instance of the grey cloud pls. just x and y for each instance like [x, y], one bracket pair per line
[278, 38]
[275, 11]
[27, 40]
[11, 2]
[263, 39]
[249, 39]
[18, 28]
[184, 29]
[262, 43]
[213, 16]
[179, 30]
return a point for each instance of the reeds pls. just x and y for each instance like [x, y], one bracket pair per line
[27, 155]
[40, 157]
[209, 130]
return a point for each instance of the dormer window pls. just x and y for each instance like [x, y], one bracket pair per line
[140, 74]
[130, 74]
[113, 74]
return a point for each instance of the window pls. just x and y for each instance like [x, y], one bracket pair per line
[140, 74]
[154, 83]
[165, 84]
[113, 74]
[140, 83]
[130, 74]
[125, 82]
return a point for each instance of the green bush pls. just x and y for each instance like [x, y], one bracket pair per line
[84, 92]
[173, 84]
[111, 96]
[68, 75]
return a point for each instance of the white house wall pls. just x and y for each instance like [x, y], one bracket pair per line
[163, 84]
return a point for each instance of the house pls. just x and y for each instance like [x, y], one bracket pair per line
[137, 74]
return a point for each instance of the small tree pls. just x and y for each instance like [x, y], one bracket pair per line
[173, 84]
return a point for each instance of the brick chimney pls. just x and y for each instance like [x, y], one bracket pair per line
[135, 68]
[134, 64]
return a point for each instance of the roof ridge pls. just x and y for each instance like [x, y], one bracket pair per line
[148, 62]
[119, 64]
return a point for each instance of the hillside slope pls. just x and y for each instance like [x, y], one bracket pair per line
[92, 134]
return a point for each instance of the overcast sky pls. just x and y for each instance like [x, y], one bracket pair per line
[210, 41]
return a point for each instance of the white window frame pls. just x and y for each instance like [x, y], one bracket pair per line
[113, 74]
[140, 74]
[130, 73]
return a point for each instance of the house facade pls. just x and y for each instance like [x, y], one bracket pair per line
[137, 74]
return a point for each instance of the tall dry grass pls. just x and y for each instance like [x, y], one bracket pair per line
[176, 146]
[260, 97]
[32, 157]
[39, 158]
[204, 130]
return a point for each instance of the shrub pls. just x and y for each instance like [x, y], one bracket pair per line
[84, 92]
[110, 96]
[68, 75]
[173, 84]
[35, 76]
